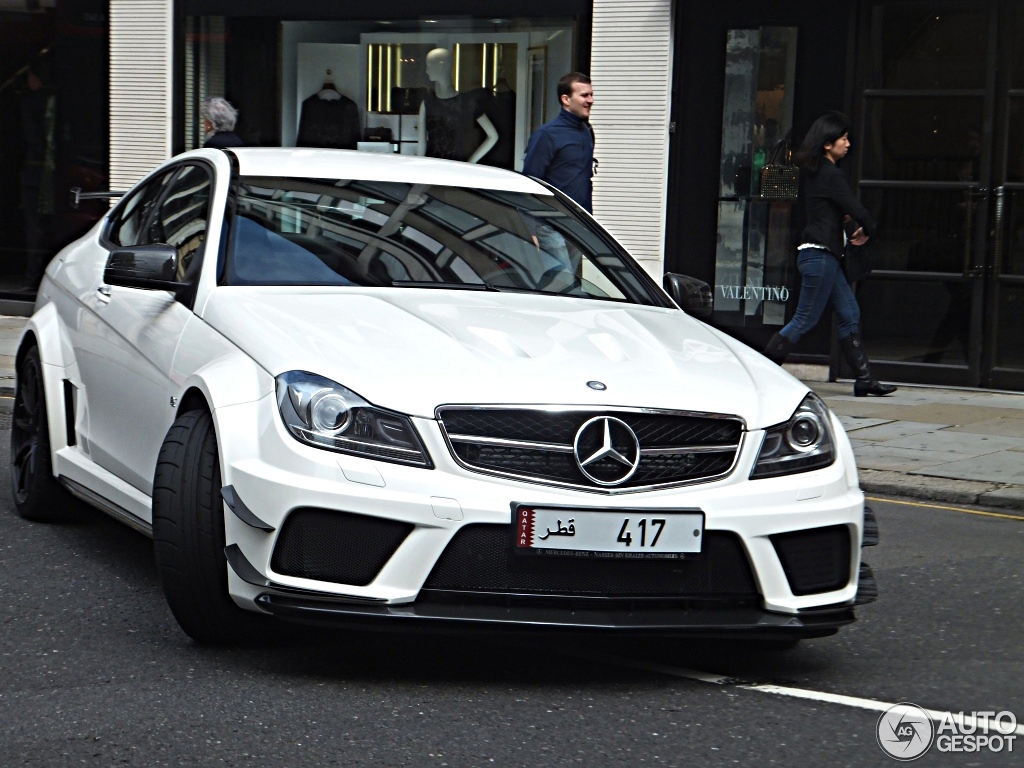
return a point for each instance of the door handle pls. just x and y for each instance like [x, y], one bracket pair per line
[999, 242]
[972, 197]
[103, 292]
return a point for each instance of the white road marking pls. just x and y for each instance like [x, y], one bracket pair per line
[800, 693]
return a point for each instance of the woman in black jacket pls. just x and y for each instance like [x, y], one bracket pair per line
[831, 208]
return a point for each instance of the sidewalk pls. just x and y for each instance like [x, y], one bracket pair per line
[957, 446]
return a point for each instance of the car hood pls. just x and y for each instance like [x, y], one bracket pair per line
[412, 350]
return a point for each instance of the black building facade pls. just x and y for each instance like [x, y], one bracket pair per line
[935, 89]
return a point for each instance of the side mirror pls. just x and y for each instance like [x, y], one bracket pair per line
[145, 266]
[692, 295]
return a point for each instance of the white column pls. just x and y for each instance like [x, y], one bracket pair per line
[141, 50]
[631, 68]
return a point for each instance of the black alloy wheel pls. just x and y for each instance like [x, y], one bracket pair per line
[37, 494]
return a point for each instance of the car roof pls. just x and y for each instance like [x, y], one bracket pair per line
[374, 166]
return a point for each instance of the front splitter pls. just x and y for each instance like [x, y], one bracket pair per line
[706, 621]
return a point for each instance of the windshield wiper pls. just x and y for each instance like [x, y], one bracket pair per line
[440, 284]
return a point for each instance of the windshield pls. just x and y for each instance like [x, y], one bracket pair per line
[326, 232]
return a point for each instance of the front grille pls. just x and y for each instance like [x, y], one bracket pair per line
[480, 558]
[538, 445]
[815, 560]
[334, 546]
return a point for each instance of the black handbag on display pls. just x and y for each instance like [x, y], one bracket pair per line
[780, 179]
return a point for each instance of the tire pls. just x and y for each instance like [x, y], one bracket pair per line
[188, 537]
[37, 494]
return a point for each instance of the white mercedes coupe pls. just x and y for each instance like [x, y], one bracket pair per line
[345, 388]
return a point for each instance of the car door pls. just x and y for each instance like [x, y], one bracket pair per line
[128, 336]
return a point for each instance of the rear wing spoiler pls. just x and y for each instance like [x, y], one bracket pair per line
[77, 196]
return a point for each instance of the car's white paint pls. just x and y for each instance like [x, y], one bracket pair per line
[413, 350]
[134, 355]
[407, 169]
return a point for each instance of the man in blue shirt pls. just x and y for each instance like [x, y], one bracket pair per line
[561, 152]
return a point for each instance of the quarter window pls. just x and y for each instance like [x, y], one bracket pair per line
[183, 215]
[129, 222]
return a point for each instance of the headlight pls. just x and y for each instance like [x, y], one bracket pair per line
[803, 443]
[319, 412]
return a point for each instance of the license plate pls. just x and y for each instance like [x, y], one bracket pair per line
[607, 533]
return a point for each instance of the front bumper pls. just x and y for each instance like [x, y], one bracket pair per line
[273, 477]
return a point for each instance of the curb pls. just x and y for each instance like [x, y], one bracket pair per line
[925, 488]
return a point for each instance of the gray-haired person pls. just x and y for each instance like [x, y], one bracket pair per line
[219, 118]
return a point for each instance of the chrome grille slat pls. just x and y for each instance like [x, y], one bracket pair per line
[529, 444]
[536, 444]
[688, 449]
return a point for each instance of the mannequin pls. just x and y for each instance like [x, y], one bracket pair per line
[448, 119]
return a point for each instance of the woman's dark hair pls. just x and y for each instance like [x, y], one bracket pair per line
[827, 129]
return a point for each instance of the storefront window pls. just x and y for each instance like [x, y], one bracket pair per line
[396, 76]
[465, 89]
[54, 98]
[204, 70]
[753, 262]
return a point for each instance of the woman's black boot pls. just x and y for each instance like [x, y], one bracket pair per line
[778, 348]
[865, 384]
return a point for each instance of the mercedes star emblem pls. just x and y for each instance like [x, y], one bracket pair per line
[607, 450]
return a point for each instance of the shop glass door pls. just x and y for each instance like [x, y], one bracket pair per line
[936, 123]
[1003, 354]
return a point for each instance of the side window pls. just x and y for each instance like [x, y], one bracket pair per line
[126, 228]
[183, 215]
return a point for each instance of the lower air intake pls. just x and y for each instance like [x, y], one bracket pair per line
[480, 558]
[815, 560]
[339, 547]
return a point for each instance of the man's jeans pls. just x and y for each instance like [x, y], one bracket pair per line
[554, 245]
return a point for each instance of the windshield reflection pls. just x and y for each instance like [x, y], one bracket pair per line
[289, 231]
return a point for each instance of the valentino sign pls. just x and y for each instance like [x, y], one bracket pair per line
[757, 292]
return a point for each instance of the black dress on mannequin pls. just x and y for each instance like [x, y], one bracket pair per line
[452, 125]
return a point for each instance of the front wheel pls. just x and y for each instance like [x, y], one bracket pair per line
[188, 536]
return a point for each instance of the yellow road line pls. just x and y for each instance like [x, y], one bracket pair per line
[942, 506]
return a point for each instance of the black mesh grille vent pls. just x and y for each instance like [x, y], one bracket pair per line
[669, 444]
[815, 560]
[334, 546]
[480, 559]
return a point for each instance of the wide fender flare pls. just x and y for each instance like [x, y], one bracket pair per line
[45, 330]
[232, 386]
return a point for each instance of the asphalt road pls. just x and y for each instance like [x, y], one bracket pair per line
[94, 670]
